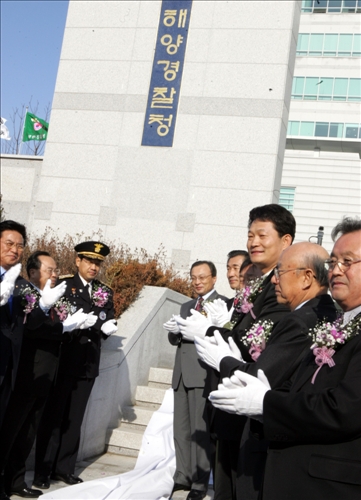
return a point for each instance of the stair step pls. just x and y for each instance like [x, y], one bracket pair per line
[130, 439]
[127, 438]
[150, 395]
[137, 415]
[160, 376]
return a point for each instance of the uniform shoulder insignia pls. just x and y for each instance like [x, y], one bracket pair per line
[65, 276]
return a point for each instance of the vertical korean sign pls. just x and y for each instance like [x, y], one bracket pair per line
[164, 89]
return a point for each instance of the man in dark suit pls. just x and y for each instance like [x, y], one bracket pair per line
[58, 437]
[12, 243]
[301, 284]
[37, 367]
[271, 229]
[191, 432]
[314, 424]
[235, 259]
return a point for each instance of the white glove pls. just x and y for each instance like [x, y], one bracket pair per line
[196, 324]
[218, 312]
[212, 354]
[245, 395]
[74, 321]
[109, 327]
[90, 321]
[171, 325]
[50, 295]
[235, 351]
[8, 284]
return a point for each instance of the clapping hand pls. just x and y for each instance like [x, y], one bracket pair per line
[218, 312]
[242, 394]
[8, 283]
[109, 327]
[196, 324]
[212, 353]
[50, 295]
[171, 326]
[74, 321]
[90, 321]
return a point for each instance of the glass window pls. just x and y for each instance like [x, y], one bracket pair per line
[356, 48]
[345, 45]
[358, 8]
[287, 197]
[325, 89]
[293, 128]
[302, 44]
[351, 130]
[354, 89]
[321, 129]
[316, 43]
[307, 128]
[334, 5]
[349, 6]
[340, 89]
[330, 45]
[307, 6]
[319, 6]
[297, 87]
[311, 88]
[336, 130]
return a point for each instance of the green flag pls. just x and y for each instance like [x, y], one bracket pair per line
[35, 129]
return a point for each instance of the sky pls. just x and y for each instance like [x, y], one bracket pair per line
[31, 38]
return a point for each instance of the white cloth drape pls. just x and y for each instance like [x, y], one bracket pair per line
[152, 477]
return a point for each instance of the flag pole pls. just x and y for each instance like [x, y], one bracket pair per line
[22, 132]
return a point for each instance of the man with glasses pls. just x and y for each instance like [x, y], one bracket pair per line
[37, 368]
[313, 422]
[271, 229]
[300, 281]
[191, 431]
[58, 437]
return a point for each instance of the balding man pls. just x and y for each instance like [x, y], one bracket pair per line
[314, 425]
[301, 284]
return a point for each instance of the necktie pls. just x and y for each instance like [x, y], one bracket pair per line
[199, 304]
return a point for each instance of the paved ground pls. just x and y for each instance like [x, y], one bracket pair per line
[102, 466]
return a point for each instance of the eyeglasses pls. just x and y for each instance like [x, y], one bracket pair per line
[343, 266]
[51, 271]
[202, 279]
[11, 244]
[278, 272]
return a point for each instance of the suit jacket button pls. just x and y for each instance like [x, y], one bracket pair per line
[89, 340]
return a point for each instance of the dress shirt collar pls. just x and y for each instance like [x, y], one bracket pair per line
[85, 283]
[205, 297]
[349, 315]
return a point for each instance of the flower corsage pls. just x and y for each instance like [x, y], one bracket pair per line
[327, 336]
[257, 337]
[100, 295]
[63, 308]
[29, 298]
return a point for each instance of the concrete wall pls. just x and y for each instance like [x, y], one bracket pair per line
[140, 343]
[228, 149]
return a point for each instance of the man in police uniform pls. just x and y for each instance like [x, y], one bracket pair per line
[59, 431]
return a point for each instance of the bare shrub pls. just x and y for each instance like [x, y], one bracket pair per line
[125, 271]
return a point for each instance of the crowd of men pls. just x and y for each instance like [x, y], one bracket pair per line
[51, 329]
[267, 385]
